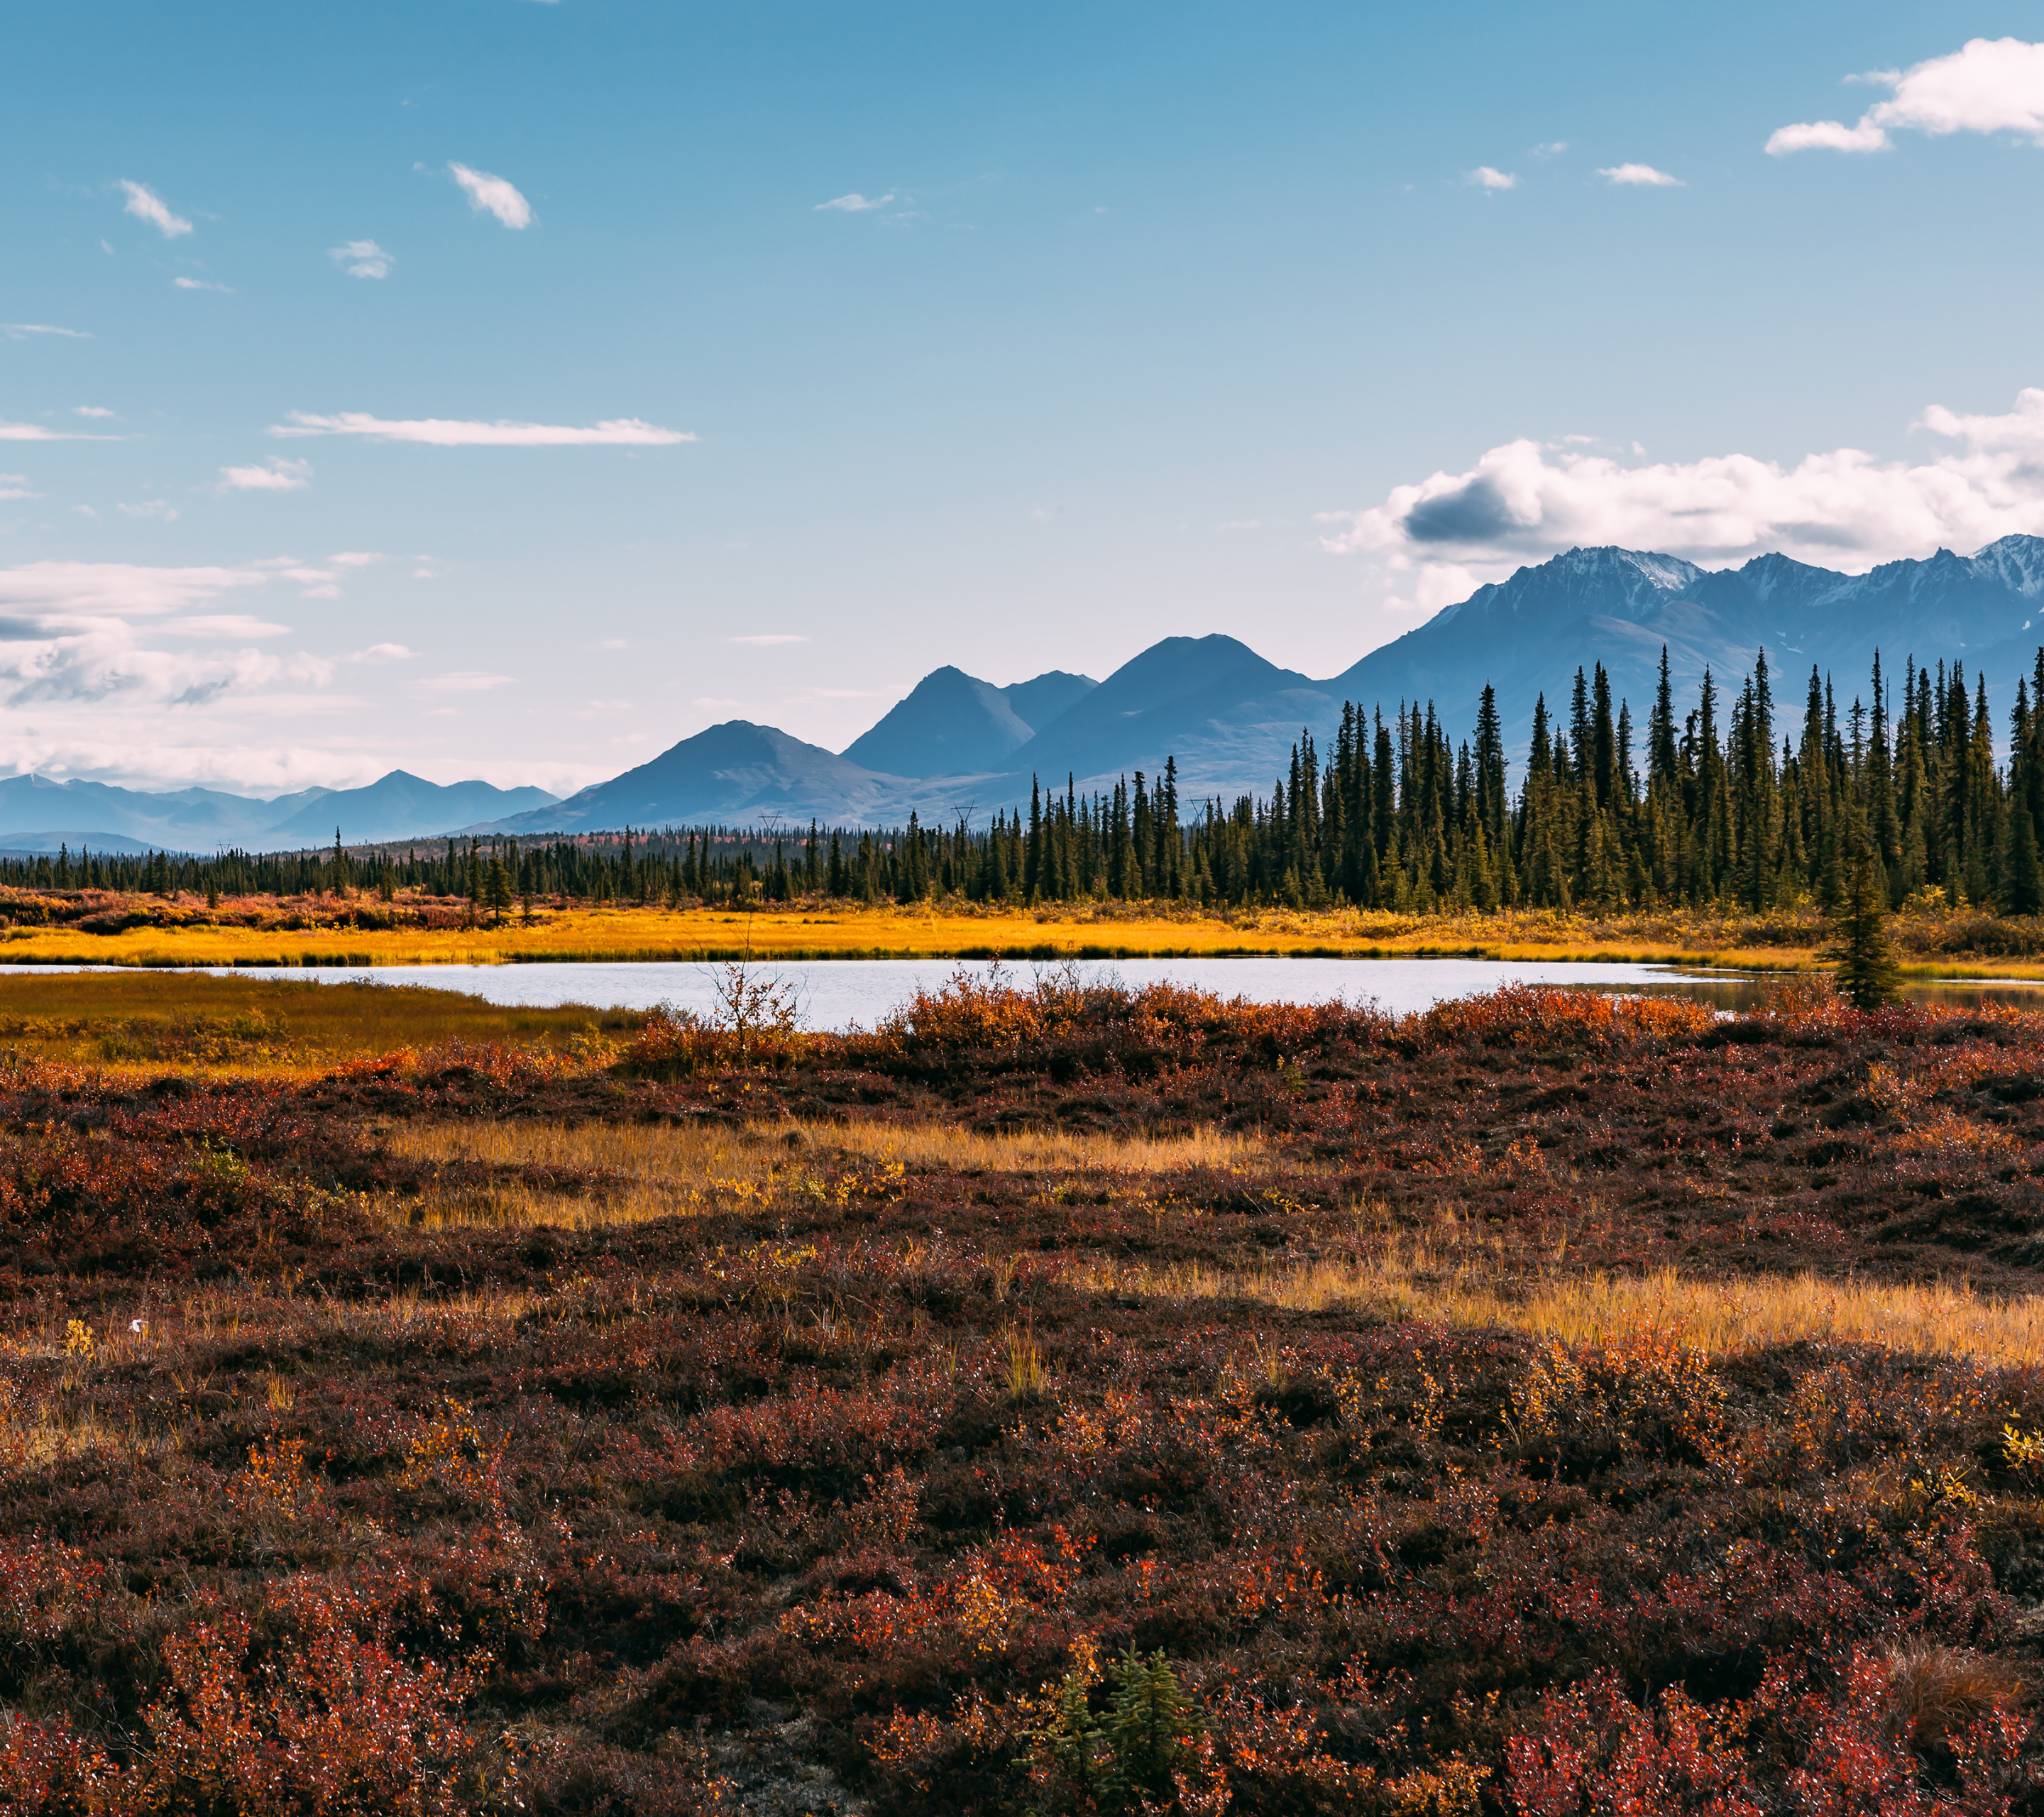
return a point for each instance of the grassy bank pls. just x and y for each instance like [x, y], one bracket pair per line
[149, 932]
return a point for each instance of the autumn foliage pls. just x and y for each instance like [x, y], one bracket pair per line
[903, 1478]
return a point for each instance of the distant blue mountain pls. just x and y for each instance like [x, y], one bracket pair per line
[38, 814]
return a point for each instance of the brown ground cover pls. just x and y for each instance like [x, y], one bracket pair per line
[1066, 1400]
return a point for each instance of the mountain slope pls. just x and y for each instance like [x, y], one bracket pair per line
[951, 724]
[1038, 701]
[401, 806]
[734, 772]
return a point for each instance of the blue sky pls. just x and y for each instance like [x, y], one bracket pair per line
[1293, 322]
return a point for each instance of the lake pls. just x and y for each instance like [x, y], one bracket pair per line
[836, 993]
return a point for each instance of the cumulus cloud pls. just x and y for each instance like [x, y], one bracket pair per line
[145, 204]
[362, 259]
[21, 331]
[15, 486]
[1483, 177]
[769, 637]
[443, 433]
[354, 558]
[1844, 508]
[1552, 148]
[492, 195]
[93, 410]
[202, 284]
[384, 653]
[276, 475]
[855, 203]
[1645, 175]
[1990, 85]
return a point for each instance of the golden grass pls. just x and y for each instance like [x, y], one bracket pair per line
[1087, 930]
[151, 1019]
[1064, 931]
[1409, 1281]
[645, 1171]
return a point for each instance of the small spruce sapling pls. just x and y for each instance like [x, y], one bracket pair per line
[1866, 970]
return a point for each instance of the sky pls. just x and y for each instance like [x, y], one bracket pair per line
[506, 389]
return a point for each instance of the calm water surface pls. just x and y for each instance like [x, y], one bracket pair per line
[836, 993]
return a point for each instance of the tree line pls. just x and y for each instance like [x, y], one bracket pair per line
[1728, 803]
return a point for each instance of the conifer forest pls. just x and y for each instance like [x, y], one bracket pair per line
[1733, 800]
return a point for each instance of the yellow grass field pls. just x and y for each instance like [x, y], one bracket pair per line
[1774, 942]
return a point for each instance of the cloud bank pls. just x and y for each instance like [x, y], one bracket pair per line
[1526, 500]
[446, 433]
[492, 195]
[1991, 85]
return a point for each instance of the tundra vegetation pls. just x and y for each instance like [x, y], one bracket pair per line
[1067, 1400]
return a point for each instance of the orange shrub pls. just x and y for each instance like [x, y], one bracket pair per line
[1543, 1016]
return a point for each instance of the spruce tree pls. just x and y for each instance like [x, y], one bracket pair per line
[1866, 969]
[2023, 876]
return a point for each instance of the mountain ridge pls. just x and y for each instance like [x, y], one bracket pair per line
[1228, 715]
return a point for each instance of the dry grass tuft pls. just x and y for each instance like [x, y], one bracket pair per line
[1403, 1281]
[1938, 1690]
[634, 1172]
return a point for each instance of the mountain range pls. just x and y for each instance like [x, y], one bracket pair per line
[39, 814]
[956, 744]
[1230, 717]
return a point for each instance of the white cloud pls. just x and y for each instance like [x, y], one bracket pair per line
[276, 475]
[1827, 136]
[463, 682]
[1844, 508]
[384, 653]
[355, 558]
[363, 259]
[438, 431]
[492, 195]
[769, 637]
[221, 624]
[1642, 174]
[21, 331]
[159, 508]
[36, 432]
[15, 486]
[1483, 177]
[1554, 148]
[145, 204]
[855, 203]
[1991, 85]
[93, 410]
[202, 284]
[71, 590]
